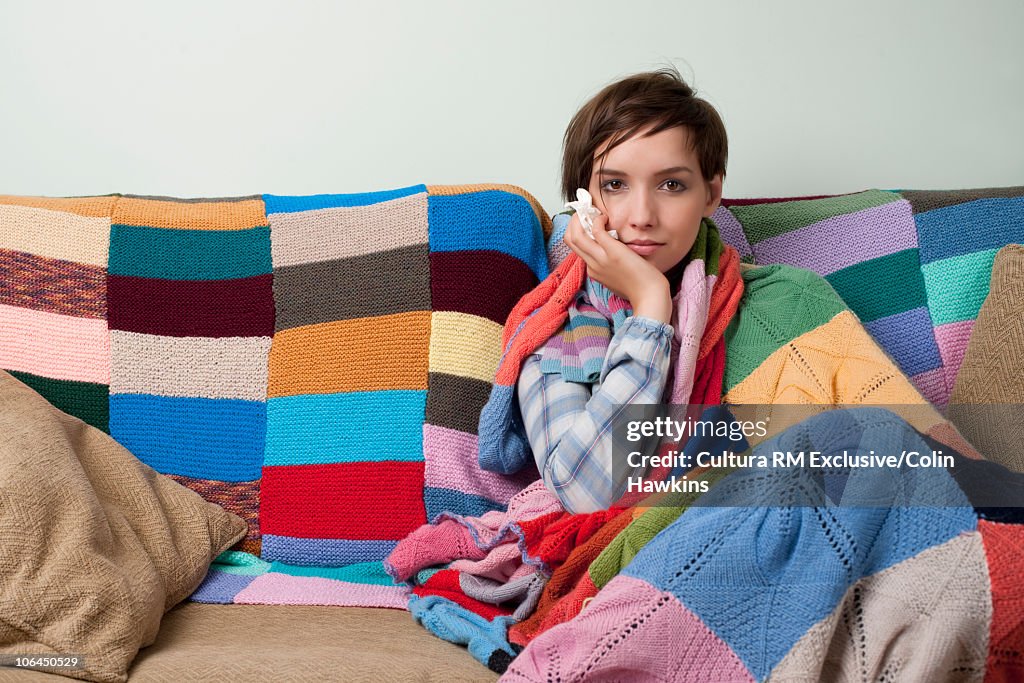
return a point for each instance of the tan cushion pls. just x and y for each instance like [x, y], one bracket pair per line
[218, 643]
[987, 399]
[94, 545]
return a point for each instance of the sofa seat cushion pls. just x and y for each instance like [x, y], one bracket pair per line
[205, 642]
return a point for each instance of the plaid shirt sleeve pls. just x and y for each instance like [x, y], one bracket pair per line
[569, 424]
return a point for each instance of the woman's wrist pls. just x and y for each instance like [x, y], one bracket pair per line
[656, 304]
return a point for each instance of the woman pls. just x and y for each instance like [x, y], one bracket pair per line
[663, 314]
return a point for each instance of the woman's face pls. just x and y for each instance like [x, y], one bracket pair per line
[654, 195]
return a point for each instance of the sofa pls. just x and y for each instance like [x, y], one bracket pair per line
[313, 367]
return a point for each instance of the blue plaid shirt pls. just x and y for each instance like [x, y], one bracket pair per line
[569, 423]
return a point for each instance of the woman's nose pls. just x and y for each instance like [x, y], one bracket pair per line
[640, 212]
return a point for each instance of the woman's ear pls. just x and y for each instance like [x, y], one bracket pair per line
[714, 190]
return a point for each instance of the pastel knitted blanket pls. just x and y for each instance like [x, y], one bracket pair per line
[917, 586]
[912, 265]
[769, 593]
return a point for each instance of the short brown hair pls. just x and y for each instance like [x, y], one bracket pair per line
[660, 99]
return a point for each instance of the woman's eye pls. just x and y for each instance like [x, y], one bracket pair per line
[613, 185]
[674, 186]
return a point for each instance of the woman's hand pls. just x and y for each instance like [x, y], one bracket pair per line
[621, 269]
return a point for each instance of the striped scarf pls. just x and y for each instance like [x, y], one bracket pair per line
[708, 296]
[578, 350]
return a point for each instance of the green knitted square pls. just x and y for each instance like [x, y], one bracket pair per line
[87, 401]
[882, 286]
[779, 304]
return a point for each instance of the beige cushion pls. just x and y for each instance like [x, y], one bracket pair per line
[987, 403]
[94, 545]
[293, 643]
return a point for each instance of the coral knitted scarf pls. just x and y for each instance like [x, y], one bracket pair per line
[706, 301]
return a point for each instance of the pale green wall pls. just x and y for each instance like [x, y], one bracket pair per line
[203, 98]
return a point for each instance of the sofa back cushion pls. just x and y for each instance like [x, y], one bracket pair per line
[96, 545]
[987, 404]
[317, 364]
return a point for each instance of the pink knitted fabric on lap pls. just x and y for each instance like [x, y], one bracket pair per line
[453, 537]
[592, 647]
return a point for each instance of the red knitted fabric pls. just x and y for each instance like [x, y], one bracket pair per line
[570, 584]
[725, 301]
[1004, 552]
[707, 378]
[445, 583]
[553, 542]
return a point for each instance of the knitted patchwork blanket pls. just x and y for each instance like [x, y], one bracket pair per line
[768, 586]
[913, 265]
[315, 364]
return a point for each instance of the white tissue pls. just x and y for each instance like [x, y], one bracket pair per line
[586, 210]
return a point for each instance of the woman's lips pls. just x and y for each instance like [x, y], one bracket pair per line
[644, 249]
